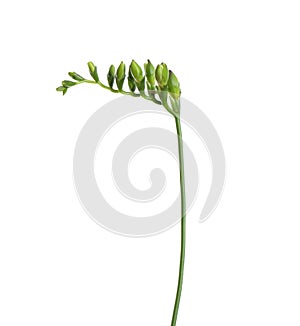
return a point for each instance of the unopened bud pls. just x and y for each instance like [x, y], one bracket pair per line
[162, 75]
[111, 76]
[75, 76]
[131, 83]
[174, 86]
[120, 77]
[141, 85]
[93, 71]
[62, 89]
[68, 83]
[150, 73]
[136, 71]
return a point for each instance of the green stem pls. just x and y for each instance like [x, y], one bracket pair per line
[119, 91]
[183, 221]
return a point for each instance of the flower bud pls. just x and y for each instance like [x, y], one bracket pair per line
[162, 75]
[111, 76]
[75, 76]
[141, 85]
[93, 71]
[151, 90]
[174, 86]
[62, 89]
[150, 87]
[91, 67]
[68, 83]
[121, 71]
[131, 83]
[150, 73]
[120, 77]
[136, 71]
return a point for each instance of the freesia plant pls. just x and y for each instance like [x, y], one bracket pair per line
[161, 86]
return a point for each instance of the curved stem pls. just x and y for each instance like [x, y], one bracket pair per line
[119, 91]
[183, 221]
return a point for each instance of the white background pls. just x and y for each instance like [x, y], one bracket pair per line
[239, 62]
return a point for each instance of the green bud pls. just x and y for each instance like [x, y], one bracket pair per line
[150, 87]
[150, 73]
[121, 71]
[151, 90]
[91, 67]
[62, 89]
[162, 75]
[136, 71]
[120, 77]
[174, 86]
[141, 85]
[93, 71]
[68, 83]
[75, 76]
[131, 83]
[111, 76]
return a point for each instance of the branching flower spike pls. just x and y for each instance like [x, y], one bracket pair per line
[161, 86]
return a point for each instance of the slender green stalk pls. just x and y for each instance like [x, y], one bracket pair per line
[183, 221]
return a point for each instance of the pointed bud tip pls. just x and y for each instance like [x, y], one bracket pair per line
[136, 71]
[93, 71]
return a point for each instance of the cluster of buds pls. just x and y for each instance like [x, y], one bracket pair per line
[149, 83]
